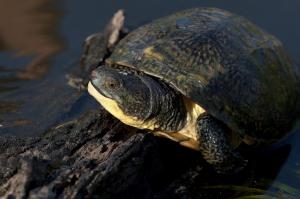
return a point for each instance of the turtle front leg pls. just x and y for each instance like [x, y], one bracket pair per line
[215, 146]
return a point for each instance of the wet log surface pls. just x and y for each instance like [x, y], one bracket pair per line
[96, 156]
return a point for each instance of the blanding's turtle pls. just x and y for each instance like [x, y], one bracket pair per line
[205, 78]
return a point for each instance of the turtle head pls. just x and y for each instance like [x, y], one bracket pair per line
[137, 100]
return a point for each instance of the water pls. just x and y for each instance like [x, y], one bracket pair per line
[41, 41]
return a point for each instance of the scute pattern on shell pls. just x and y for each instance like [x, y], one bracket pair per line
[240, 74]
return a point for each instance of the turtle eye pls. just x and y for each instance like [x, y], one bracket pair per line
[112, 83]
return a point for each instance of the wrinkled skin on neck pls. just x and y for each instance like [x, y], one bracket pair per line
[137, 99]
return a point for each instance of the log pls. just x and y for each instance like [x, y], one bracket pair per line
[95, 156]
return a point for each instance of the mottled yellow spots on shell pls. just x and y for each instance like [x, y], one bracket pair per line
[149, 52]
[181, 78]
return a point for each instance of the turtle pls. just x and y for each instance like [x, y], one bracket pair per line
[206, 78]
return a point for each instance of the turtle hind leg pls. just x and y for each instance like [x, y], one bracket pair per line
[215, 146]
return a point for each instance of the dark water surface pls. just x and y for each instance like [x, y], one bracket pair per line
[41, 41]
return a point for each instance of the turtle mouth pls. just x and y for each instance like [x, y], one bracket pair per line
[101, 92]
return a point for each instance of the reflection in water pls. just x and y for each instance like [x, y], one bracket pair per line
[7, 81]
[6, 106]
[30, 28]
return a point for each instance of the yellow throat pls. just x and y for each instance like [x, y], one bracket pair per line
[186, 136]
[113, 108]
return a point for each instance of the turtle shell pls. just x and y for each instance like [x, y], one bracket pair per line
[233, 69]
